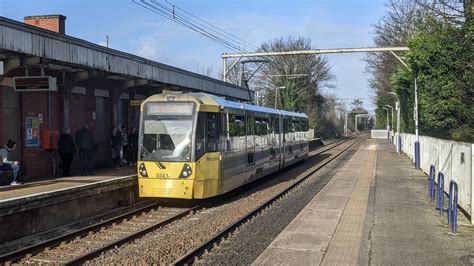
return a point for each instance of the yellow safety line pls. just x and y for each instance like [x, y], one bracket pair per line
[344, 246]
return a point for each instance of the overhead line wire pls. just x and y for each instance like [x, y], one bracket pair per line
[176, 16]
[196, 29]
[232, 43]
[217, 28]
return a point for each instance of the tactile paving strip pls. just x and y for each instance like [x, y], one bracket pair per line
[344, 246]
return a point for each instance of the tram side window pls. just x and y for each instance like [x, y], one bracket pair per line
[236, 125]
[265, 132]
[276, 130]
[261, 131]
[285, 129]
[297, 127]
[236, 132]
[250, 125]
[305, 129]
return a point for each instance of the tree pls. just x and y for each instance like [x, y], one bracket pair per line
[441, 57]
[394, 29]
[304, 77]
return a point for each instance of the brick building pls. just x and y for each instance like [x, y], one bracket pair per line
[95, 86]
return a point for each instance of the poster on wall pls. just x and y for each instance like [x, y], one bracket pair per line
[32, 132]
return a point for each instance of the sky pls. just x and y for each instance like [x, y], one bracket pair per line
[133, 29]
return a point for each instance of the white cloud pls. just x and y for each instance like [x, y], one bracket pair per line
[103, 43]
[149, 48]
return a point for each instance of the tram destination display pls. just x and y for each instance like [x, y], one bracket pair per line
[35, 83]
[164, 108]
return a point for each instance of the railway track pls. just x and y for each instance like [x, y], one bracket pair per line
[80, 246]
[88, 243]
[223, 234]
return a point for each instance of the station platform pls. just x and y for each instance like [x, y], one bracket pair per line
[375, 211]
[51, 185]
[43, 205]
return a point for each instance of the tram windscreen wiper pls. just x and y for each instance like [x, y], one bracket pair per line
[145, 153]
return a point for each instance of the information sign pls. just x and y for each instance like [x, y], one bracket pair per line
[32, 132]
[136, 102]
[35, 83]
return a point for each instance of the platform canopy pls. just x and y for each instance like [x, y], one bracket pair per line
[22, 45]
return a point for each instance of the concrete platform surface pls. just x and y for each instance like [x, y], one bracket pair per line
[29, 189]
[306, 239]
[402, 226]
[375, 211]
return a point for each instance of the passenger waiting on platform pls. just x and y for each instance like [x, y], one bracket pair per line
[85, 143]
[6, 165]
[133, 144]
[116, 145]
[66, 149]
[125, 148]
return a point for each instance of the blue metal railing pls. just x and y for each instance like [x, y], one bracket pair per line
[452, 206]
[440, 198]
[431, 190]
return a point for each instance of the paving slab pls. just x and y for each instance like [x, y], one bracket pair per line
[402, 226]
[305, 240]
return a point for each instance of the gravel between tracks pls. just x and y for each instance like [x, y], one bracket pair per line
[167, 244]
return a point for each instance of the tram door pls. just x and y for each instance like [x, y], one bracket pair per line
[275, 139]
[250, 135]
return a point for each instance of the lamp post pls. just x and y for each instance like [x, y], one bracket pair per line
[277, 92]
[397, 107]
[417, 141]
[387, 125]
[415, 115]
[391, 109]
[345, 123]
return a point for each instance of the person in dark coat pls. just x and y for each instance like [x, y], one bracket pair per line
[125, 146]
[85, 142]
[133, 143]
[116, 145]
[66, 149]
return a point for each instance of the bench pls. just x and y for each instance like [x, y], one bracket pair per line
[5, 173]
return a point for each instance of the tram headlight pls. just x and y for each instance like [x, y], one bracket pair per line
[186, 171]
[142, 170]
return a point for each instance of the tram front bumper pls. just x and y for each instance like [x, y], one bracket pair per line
[165, 188]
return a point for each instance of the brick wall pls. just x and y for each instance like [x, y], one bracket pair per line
[82, 108]
[35, 161]
[54, 23]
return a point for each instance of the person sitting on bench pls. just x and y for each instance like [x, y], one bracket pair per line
[6, 165]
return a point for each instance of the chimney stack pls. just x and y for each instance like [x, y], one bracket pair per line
[54, 23]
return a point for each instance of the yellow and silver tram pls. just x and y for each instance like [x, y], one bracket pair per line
[196, 145]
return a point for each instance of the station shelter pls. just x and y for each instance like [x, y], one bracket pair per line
[72, 82]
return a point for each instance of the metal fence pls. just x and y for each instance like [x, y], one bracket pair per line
[379, 134]
[454, 159]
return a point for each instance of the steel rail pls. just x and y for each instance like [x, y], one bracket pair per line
[33, 249]
[54, 242]
[331, 145]
[198, 251]
[97, 252]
